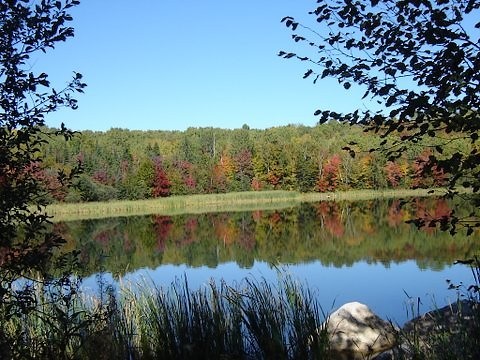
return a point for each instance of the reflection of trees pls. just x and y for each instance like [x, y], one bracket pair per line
[162, 226]
[335, 233]
[330, 216]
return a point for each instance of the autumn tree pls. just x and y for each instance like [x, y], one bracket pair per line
[393, 173]
[419, 59]
[26, 245]
[329, 176]
[161, 184]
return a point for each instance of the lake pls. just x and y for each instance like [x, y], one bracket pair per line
[345, 251]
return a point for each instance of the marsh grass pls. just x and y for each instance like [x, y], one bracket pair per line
[235, 201]
[253, 319]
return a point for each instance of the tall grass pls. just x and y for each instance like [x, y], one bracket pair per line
[253, 319]
[237, 201]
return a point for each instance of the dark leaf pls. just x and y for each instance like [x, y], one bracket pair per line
[308, 73]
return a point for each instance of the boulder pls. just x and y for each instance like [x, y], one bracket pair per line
[356, 332]
[451, 318]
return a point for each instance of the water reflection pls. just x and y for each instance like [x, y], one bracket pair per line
[389, 292]
[334, 234]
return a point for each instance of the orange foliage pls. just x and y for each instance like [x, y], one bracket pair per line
[330, 215]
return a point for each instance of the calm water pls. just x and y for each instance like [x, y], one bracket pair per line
[360, 251]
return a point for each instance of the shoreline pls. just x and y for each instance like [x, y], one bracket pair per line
[228, 202]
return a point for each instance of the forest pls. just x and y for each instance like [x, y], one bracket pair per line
[132, 164]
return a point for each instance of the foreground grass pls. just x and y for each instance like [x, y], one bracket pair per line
[254, 320]
[239, 201]
[251, 320]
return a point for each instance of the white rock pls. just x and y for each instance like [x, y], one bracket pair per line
[355, 329]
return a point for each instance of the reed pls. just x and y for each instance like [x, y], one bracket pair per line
[254, 319]
[229, 202]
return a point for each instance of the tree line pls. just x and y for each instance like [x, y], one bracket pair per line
[126, 164]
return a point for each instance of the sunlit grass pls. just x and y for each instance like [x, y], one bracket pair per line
[230, 202]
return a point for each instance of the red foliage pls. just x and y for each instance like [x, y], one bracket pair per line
[256, 184]
[219, 179]
[162, 226]
[81, 157]
[243, 162]
[273, 179]
[190, 182]
[101, 176]
[395, 214]
[186, 169]
[329, 177]
[49, 180]
[329, 213]
[124, 169]
[161, 184]
[393, 173]
[426, 174]
[432, 212]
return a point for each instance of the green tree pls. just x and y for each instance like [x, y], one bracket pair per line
[26, 244]
[419, 59]
[306, 168]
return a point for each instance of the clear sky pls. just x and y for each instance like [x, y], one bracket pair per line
[174, 64]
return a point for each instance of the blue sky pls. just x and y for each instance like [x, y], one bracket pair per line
[174, 64]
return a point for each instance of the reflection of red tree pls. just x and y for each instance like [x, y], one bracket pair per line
[191, 225]
[395, 214]
[103, 237]
[430, 213]
[247, 240]
[127, 243]
[331, 218]
[257, 215]
[61, 229]
[224, 229]
[162, 226]
[275, 218]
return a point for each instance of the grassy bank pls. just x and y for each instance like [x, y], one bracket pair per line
[239, 201]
